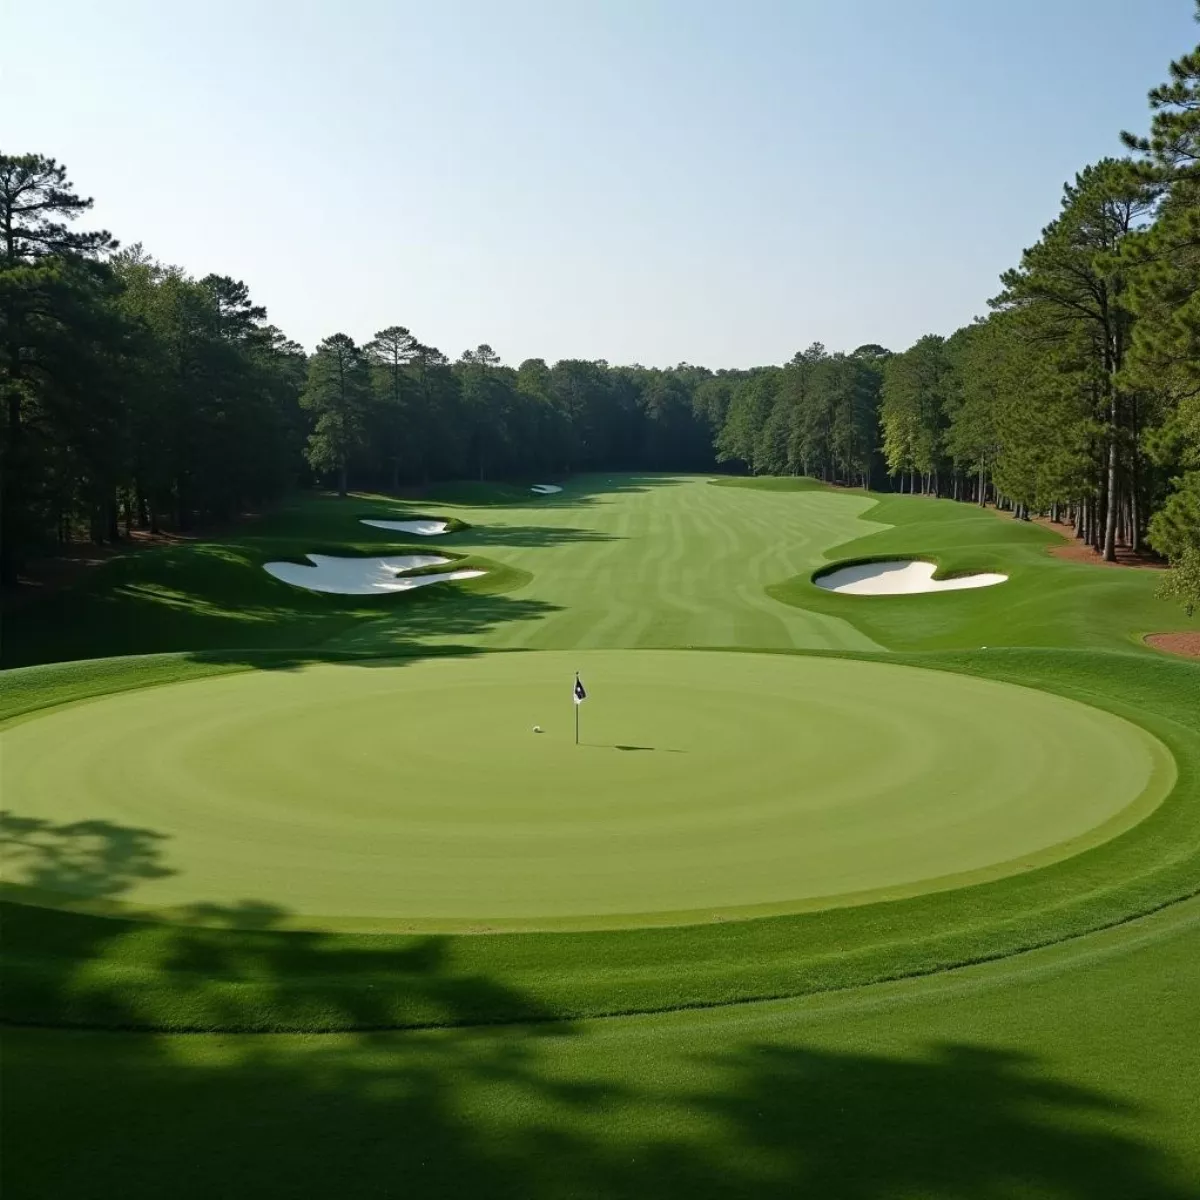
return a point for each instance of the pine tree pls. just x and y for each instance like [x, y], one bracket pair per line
[338, 393]
[390, 353]
[1076, 278]
[44, 279]
[1165, 295]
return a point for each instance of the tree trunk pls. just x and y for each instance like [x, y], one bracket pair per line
[1109, 546]
[10, 557]
[112, 518]
[343, 480]
[1110, 499]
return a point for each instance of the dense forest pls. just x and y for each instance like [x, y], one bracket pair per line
[136, 396]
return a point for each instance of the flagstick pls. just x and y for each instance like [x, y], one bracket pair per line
[576, 703]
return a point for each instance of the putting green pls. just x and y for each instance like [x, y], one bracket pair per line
[416, 794]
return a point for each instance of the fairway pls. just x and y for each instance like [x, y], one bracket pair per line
[707, 784]
[662, 562]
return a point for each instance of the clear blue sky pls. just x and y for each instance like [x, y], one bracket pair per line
[636, 180]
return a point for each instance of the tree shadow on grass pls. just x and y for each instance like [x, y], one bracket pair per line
[552, 1111]
[655, 749]
[960, 1120]
[528, 536]
[94, 859]
[579, 491]
[145, 620]
[421, 628]
[549, 1107]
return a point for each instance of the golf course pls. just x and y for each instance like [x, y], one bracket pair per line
[600, 601]
[286, 865]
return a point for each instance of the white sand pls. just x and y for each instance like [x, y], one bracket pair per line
[900, 578]
[545, 489]
[424, 528]
[363, 576]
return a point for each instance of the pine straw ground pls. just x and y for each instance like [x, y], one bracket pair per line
[1186, 644]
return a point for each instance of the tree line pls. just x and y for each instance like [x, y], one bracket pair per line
[136, 396]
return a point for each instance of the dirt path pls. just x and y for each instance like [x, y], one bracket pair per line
[1185, 644]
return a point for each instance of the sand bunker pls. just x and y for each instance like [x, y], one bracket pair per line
[424, 528]
[903, 577]
[363, 576]
[545, 489]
